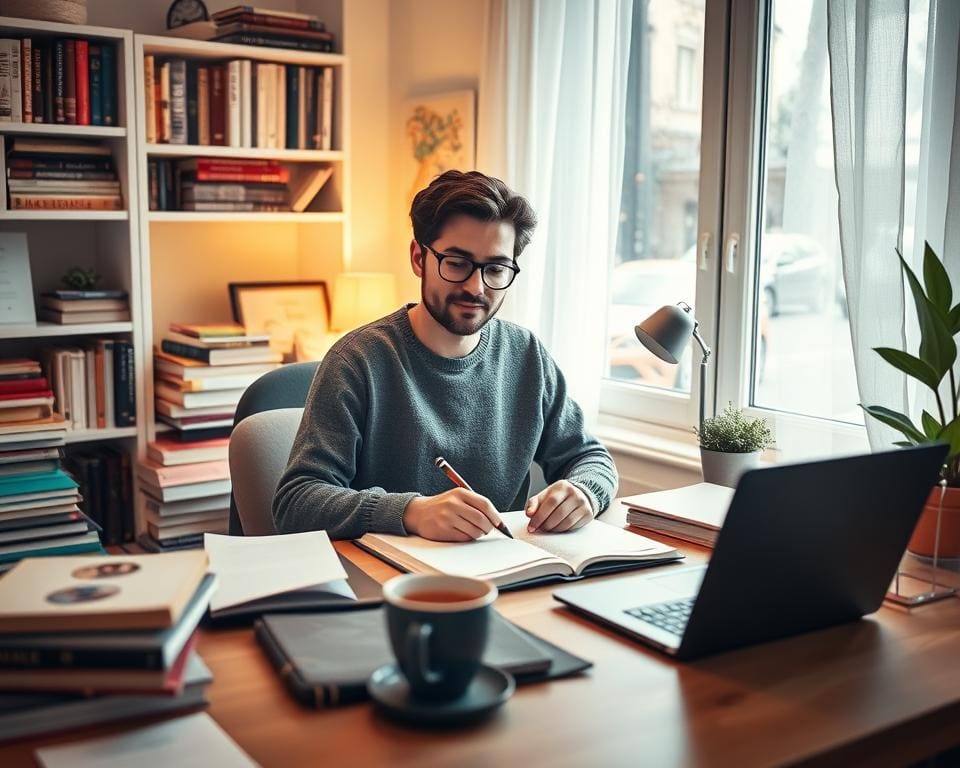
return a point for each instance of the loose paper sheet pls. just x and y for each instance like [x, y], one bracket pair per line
[253, 567]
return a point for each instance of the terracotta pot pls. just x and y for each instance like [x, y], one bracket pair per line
[924, 535]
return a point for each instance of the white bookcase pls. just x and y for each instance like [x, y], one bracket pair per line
[188, 259]
[108, 241]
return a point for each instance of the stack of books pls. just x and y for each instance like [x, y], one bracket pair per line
[73, 306]
[39, 512]
[87, 640]
[246, 25]
[61, 174]
[105, 477]
[68, 80]
[25, 394]
[176, 514]
[94, 385]
[692, 513]
[201, 372]
[238, 103]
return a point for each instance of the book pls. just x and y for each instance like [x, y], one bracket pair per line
[78, 295]
[185, 491]
[162, 476]
[219, 342]
[597, 547]
[161, 533]
[108, 66]
[170, 453]
[692, 513]
[70, 81]
[274, 40]
[66, 203]
[58, 146]
[100, 680]
[31, 714]
[39, 113]
[210, 398]
[26, 63]
[59, 82]
[148, 650]
[280, 18]
[82, 306]
[230, 331]
[211, 383]
[195, 370]
[175, 521]
[66, 545]
[326, 660]
[83, 82]
[218, 105]
[96, 84]
[178, 101]
[72, 316]
[16, 82]
[200, 505]
[75, 594]
[256, 354]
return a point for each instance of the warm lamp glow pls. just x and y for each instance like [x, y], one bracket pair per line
[362, 297]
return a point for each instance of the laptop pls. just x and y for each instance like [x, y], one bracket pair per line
[803, 546]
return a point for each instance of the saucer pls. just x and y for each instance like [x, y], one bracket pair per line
[390, 691]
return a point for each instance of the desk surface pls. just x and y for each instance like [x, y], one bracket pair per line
[887, 688]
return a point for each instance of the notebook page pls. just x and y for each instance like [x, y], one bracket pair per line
[594, 542]
[492, 556]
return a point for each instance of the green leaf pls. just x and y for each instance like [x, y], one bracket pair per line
[904, 444]
[951, 434]
[910, 365]
[937, 347]
[936, 280]
[896, 420]
[931, 427]
[953, 320]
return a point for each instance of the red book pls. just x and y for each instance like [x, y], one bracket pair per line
[281, 177]
[23, 385]
[26, 395]
[70, 81]
[83, 82]
[218, 105]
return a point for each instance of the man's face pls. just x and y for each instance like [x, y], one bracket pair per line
[464, 308]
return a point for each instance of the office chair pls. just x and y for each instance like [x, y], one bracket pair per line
[283, 388]
[266, 423]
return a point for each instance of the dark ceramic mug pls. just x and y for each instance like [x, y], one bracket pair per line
[438, 627]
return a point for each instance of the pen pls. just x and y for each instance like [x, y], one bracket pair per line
[455, 478]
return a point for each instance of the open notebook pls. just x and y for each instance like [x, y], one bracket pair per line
[528, 558]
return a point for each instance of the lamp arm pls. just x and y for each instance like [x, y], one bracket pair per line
[703, 371]
[703, 345]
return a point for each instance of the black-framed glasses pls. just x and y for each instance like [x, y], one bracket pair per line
[458, 269]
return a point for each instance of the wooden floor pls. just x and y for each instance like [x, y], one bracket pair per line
[882, 691]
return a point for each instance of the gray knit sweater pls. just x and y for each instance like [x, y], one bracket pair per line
[382, 407]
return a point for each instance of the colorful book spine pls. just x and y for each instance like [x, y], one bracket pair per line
[150, 102]
[6, 113]
[218, 116]
[59, 82]
[109, 66]
[96, 84]
[178, 101]
[125, 399]
[26, 63]
[70, 81]
[36, 77]
[83, 82]
[16, 82]
[49, 99]
[234, 132]
[203, 105]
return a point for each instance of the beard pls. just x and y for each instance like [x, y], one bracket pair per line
[443, 311]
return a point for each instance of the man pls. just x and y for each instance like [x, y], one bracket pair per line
[443, 378]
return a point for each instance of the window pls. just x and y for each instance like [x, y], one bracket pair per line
[733, 209]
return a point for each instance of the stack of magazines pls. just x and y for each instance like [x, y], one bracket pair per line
[87, 640]
[247, 25]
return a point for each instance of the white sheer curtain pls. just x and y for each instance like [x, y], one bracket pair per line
[867, 42]
[551, 125]
[875, 118]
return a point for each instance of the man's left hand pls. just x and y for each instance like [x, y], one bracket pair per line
[558, 508]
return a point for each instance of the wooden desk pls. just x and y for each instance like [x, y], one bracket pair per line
[883, 691]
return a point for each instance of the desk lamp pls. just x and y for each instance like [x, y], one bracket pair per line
[666, 333]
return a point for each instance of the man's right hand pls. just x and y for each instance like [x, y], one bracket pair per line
[455, 515]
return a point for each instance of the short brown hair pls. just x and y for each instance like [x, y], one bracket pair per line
[472, 194]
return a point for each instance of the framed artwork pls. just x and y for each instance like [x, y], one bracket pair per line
[441, 136]
[295, 314]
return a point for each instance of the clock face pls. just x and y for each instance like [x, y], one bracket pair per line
[186, 11]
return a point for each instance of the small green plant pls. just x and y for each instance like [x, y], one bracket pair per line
[81, 278]
[939, 322]
[732, 432]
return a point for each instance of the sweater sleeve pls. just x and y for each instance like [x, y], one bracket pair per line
[314, 491]
[566, 451]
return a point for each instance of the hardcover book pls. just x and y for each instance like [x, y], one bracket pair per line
[75, 594]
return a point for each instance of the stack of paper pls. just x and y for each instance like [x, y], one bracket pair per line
[692, 513]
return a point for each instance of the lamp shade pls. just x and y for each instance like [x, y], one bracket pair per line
[667, 331]
[362, 297]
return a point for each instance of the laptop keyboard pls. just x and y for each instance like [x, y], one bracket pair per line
[671, 616]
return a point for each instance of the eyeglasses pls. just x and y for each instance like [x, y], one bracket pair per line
[457, 269]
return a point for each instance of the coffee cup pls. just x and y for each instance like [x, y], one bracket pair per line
[438, 627]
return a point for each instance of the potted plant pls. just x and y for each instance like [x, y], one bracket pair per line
[730, 444]
[939, 322]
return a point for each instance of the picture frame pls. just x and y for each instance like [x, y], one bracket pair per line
[294, 313]
[440, 134]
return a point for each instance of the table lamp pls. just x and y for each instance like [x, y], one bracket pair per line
[362, 297]
[666, 333]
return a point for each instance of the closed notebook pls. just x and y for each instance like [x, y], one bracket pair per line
[528, 558]
[326, 660]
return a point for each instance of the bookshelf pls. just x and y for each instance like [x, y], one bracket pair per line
[108, 241]
[188, 258]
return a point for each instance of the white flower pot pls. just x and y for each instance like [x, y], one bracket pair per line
[725, 468]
